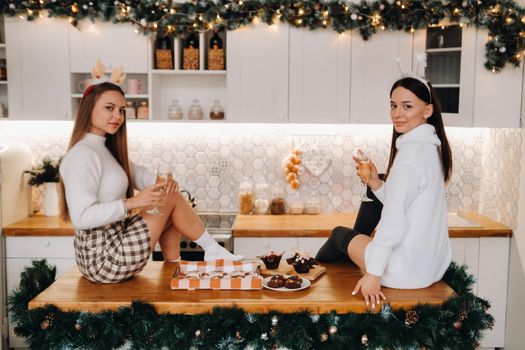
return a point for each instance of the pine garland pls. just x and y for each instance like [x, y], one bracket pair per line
[504, 19]
[458, 324]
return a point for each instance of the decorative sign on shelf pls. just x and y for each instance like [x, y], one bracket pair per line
[504, 20]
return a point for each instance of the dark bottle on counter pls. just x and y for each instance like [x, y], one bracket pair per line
[215, 41]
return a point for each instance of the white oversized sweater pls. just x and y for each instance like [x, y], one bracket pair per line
[411, 247]
[96, 184]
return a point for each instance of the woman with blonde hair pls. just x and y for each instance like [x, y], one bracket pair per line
[98, 196]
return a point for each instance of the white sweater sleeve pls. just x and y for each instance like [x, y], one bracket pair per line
[399, 193]
[81, 171]
[142, 176]
[380, 192]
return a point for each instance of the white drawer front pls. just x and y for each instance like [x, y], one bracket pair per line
[39, 247]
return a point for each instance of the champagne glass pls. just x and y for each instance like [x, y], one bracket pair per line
[164, 174]
[364, 168]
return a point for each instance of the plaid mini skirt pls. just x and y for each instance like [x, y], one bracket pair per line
[114, 252]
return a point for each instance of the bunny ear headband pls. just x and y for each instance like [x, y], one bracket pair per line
[421, 63]
[98, 73]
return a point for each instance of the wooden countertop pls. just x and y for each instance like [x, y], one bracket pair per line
[266, 226]
[322, 225]
[331, 291]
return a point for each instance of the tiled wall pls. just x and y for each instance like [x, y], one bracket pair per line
[212, 159]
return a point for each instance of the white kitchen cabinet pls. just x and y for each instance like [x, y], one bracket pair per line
[37, 68]
[252, 247]
[373, 71]
[257, 79]
[451, 57]
[496, 95]
[114, 44]
[21, 251]
[3, 64]
[319, 76]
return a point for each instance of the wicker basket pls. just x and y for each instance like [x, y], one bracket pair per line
[216, 59]
[164, 59]
[190, 58]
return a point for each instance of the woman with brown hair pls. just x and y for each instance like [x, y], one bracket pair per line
[410, 248]
[99, 182]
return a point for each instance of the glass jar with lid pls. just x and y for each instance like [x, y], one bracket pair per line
[143, 110]
[296, 204]
[216, 111]
[174, 110]
[262, 203]
[195, 110]
[245, 197]
[131, 112]
[278, 203]
[313, 204]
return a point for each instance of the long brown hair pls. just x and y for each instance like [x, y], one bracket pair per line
[419, 89]
[117, 144]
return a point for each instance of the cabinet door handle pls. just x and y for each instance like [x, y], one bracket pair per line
[46, 243]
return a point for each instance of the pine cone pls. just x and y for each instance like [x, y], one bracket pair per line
[411, 318]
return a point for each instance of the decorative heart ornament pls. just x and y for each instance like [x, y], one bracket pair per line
[315, 160]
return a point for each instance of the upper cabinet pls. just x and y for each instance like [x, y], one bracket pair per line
[451, 56]
[3, 72]
[113, 44]
[257, 79]
[319, 76]
[38, 69]
[496, 95]
[373, 71]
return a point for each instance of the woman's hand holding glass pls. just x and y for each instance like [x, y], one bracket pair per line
[166, 184]
[367, 171]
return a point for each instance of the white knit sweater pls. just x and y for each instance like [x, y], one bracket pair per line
[411, 247]
[96, 184]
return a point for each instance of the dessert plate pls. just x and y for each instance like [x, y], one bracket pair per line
[304, 284]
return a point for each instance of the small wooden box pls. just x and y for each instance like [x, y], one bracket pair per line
[216, 59]
[164, 59]
[190, 58]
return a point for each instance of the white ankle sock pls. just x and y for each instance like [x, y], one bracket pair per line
[174, 260]
[212, 249]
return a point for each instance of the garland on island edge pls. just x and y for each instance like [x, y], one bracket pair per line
[504, 19]
[457, 324]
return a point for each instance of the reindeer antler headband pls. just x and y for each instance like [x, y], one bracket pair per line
[421, 63]
[98, 72]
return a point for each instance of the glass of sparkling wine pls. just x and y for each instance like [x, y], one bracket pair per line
[164, 174]
[364, 169]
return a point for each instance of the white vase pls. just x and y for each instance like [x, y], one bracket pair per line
[50, 202]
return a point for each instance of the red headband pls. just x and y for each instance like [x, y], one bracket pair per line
[88, 90]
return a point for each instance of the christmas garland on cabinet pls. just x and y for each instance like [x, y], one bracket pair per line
[458, 324]
[504, 19]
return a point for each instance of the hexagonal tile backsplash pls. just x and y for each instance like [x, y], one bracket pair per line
[210, 160]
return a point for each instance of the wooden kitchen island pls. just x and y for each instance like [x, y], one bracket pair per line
[330, 292]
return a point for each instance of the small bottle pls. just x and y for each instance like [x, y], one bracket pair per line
[174, 110]
[131, 112]
[143, 110]
[261, 203]
[216, 111]
[215, 41]
[278, 203]
[245, 197]
[313, 204]
[195, 111]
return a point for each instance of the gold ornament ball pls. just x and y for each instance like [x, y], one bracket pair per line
[457, 325]
[332, 330]
[364, 340]
[198, 333]
[78, 327]
[238, 335]
[324, 337]
[45, 324]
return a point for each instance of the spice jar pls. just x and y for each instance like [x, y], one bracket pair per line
[174, 110]
[131, 112]
[278, 203]
[245, 197]
[216, 111]
[313, 204]
[261, 199]
[143, 110]
[195, 111]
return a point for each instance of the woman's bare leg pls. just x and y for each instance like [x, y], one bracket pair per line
[356, 249]
[170, 243]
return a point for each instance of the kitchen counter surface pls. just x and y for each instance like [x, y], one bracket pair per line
[329, 292]
[267, 226]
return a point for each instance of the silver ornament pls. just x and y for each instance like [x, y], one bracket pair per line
[502, 49]
[314, 318]
[12, 6]
[198, 333]
[332, 330]
[324, 337]
[275, 320]
[364, 340]
[353, 16]
[264, 336]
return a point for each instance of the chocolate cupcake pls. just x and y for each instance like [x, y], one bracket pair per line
[293, 282]
[276, 281]
[301, 261]
[271, 260]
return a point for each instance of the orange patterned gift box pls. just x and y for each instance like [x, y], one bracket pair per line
[217, 274]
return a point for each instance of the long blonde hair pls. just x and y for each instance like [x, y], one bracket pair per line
[117, 144]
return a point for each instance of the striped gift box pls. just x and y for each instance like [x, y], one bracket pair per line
[252, 281]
